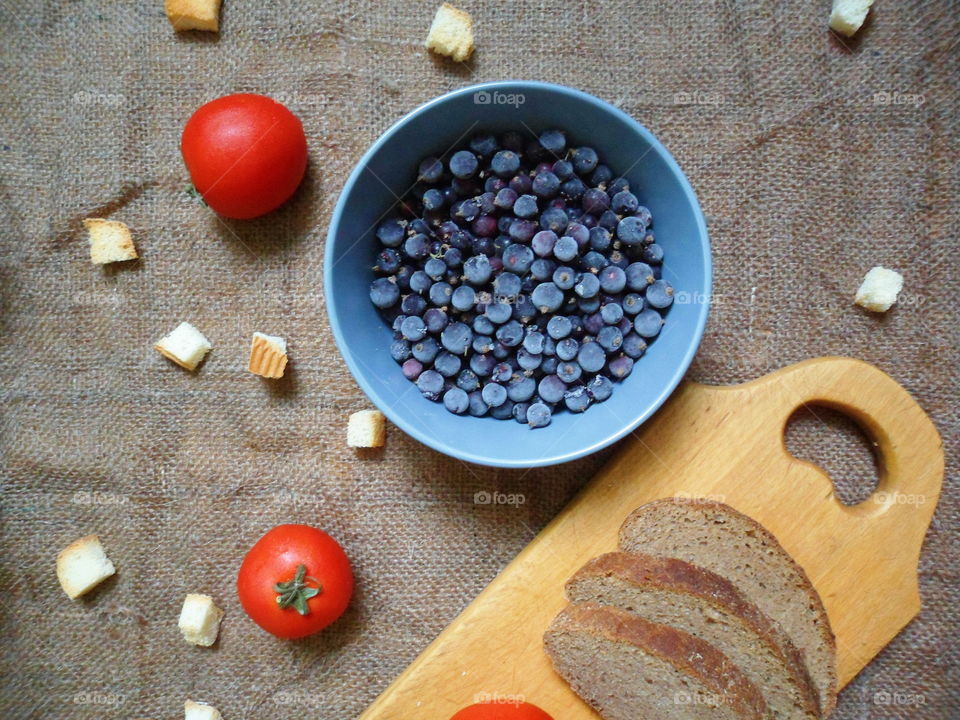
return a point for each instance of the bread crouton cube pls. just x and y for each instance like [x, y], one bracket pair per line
[879, 289]
[200, 711]
[194, 14]
[451, 33]
[366, 429]
[110, 241]
[848, 15]
[186, 346]
[83, 565]
[200, 620]
[268, 355]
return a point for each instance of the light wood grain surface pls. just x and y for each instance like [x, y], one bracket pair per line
[723, 443]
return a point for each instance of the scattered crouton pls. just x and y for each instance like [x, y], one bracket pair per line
[194, 14]
[110, 241]
[848, 15]
[83, 565]
[879, 289]
[366, 429]
[268, 355]
[200, 711]
[186, 346]
[451, 33]
[200, 620]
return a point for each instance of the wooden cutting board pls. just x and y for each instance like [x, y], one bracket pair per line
[723, 443]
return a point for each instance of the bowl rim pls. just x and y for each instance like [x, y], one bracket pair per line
[375, 397]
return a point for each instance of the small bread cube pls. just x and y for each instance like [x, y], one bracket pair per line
[200, 620]
[451, 33]
[110, 241]
[848, 15]
[199, 711]
[879, 289]
[194, 14]
[186, 346]
[268, 355]
[366, 429]
[83, 565]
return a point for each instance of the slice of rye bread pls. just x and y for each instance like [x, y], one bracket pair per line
[717, 537]
[675, 593]
[628, 668]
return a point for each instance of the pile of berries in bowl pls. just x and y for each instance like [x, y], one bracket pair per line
[522, 277]
[473, 268]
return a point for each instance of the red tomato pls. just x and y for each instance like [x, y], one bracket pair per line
[295, 581]
[246, 154]
[501, 711]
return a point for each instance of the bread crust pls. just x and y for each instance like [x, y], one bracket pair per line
[688, 654]
[827, 697]
[680, 576]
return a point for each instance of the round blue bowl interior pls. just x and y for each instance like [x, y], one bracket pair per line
[387, 171]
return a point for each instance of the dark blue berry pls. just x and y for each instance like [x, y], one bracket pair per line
[612, 313]
[620, 367]
[526, 206]
[463, 298]
[584, 160]
[440, 293]
[546, 184]
[384, 293]
[478, 408]
[633, 345]
[456, 401]
[591, 357]
[498, 312]
[577, 399]
[600, 388]
[413, 329]
[660, 294]
[610, 338]
[612, 279]
[505, 163]
[426, 350]
[652, 254]
[538, 415]
[567, 349]
[647, 323]
[435, 319]
[547, 297]
[463, 164]
[400, 350]
[624, 203]
[430, 383]
[494, 394]
[553, 141]
[467, 380]
[456, 338]
[431, 170]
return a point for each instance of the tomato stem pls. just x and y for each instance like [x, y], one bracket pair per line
[295, 593]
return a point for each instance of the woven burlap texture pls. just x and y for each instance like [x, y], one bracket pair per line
[814, 159]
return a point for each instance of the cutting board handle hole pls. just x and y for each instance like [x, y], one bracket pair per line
[838, 445]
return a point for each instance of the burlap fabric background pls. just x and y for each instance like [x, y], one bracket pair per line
[814, 160]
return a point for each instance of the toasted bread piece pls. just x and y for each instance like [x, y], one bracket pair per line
[451, 33]
[83, 565]
[200, 711]
[186, 346]
[194, 14]
[879, 289]
[718, 538]
[268, 355]
[110, 241]
[848, 15]
[200, 620]
[627, 668]
[367, 428]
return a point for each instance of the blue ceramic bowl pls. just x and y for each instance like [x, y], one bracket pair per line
[387, 171]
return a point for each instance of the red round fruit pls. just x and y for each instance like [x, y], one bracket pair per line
[501, 711]
[246, 154]
[279, 575]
